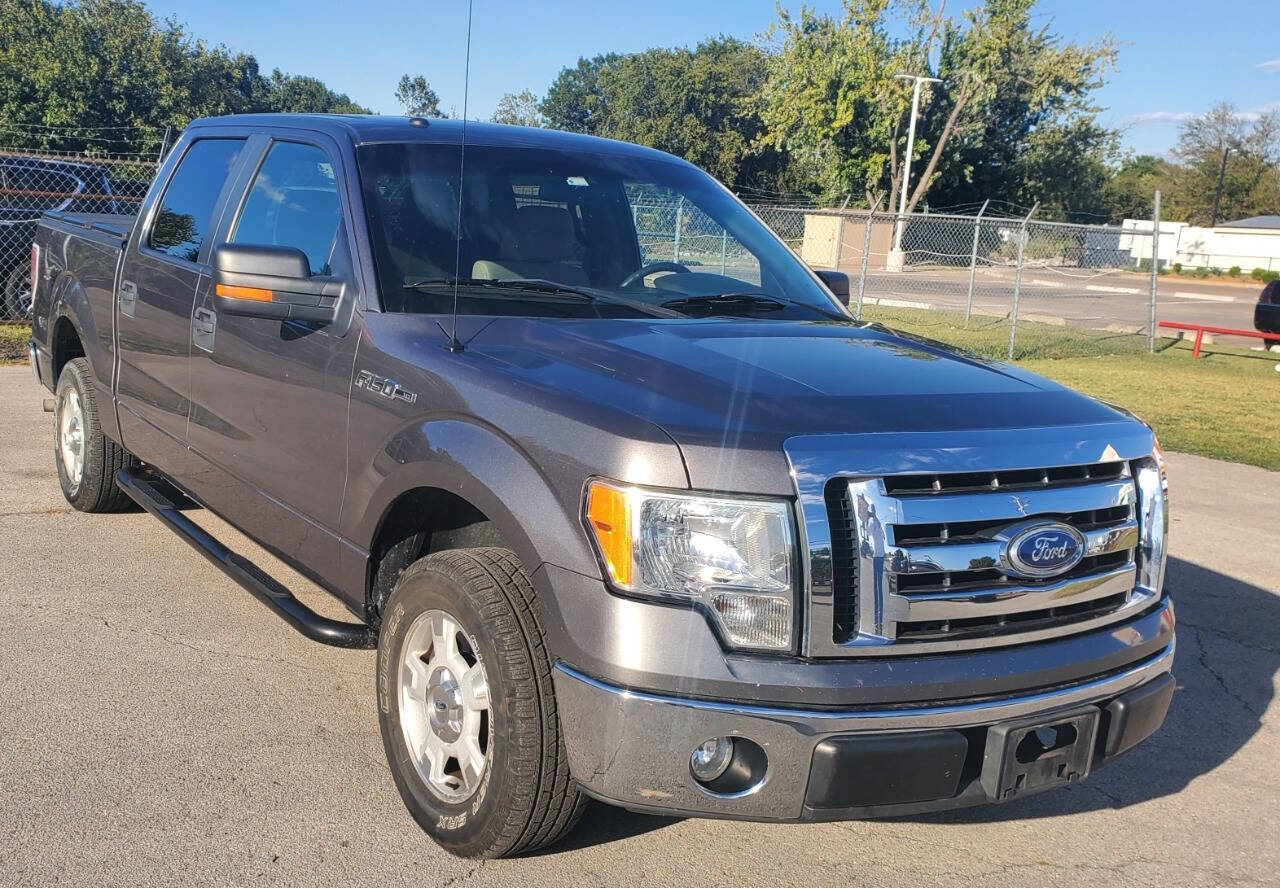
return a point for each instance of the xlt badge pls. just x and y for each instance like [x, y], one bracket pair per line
[388, 388]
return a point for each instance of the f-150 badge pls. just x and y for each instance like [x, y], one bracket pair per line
[388, 388]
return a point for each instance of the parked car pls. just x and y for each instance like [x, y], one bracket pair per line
[688, 542]
[1266, 315]
[30, 185]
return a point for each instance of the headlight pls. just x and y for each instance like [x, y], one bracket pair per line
[1153, 519]
[733, 556]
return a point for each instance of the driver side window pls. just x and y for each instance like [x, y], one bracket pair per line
[671, 228]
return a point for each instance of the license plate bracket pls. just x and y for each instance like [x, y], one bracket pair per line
[1039, 752]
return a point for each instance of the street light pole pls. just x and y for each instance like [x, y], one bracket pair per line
[906, 160]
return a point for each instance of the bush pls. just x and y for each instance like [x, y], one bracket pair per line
[1215, 271]
[1199, 272]
[1233, 271]
[1269, 276]
[1258, 274]
[1177, 268]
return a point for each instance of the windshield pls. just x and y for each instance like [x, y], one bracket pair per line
[619, 236]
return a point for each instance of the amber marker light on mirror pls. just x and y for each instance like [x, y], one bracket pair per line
[609, 515]
[255, 294]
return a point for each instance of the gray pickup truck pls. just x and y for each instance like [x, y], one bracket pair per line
[628, 503]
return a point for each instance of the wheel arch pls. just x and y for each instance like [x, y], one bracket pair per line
[445, 491]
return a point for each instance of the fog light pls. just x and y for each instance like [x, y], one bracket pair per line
[711, 758]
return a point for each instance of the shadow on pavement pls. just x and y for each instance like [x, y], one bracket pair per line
[602, 824]
[1228, 654]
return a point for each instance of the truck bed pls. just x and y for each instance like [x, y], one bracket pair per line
[115, 225]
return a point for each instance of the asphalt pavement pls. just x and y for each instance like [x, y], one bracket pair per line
[1098, 300]
[160, 727]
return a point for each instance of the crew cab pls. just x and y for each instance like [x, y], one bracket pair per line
[631, 509]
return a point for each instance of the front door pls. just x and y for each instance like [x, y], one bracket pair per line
[269, 397]
[165, 268]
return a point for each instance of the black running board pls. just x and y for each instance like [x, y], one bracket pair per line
[145, 493]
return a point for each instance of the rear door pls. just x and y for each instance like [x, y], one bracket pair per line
[165, 268]
[269, 397]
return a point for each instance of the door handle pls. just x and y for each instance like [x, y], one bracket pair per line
[128, 298]
[204, 323]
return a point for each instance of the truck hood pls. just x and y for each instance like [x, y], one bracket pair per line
[746, 386]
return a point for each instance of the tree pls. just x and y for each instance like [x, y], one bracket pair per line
[417, 97]
[519, 109]
[574, 102]
[107, 76]
[833, 97]
[1130, 189]
[701, 104]
[1237, 151]
[298, 93]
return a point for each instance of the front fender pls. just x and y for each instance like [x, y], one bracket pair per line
[474, 462]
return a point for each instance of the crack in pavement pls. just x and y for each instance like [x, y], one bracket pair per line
[1203, 659]
[177, 642]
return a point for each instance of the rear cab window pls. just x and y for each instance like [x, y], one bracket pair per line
[185, 216]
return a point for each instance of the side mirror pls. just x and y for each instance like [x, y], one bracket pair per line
[272, 282]
[837, 282]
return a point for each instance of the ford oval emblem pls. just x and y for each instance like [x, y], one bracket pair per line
[1045, 550]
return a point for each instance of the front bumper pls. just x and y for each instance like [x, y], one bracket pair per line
[631, 748]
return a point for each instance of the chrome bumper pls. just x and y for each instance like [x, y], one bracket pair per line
[631, 748]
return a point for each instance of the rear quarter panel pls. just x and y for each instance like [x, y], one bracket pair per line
[77, 283]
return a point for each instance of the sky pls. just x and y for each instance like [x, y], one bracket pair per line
[1176, 57]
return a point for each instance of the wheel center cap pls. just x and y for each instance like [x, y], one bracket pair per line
[444, 705]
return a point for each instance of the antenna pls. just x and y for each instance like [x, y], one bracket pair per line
[455, 345]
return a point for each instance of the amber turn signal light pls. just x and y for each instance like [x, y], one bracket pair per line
[255, 294]
[609, 515]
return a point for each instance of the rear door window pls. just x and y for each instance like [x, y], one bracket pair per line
[186, 210]
[293, 203]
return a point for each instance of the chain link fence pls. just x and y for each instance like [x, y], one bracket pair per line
[32, 183]
[1010, 287]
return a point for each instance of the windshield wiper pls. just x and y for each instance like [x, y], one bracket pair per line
[527, 285]
[710, 302]
[714, 301]
[542, 286]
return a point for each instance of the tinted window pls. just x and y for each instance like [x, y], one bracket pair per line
[293, 203]
[186, 212]
[638, 228]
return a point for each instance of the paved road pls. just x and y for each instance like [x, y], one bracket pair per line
[159, 727]
[1120, 300]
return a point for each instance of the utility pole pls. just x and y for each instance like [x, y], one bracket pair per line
[1217, 195]
[906, 160]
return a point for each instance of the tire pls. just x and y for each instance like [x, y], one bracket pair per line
[524, 797]
[16, 305]
[87, 460]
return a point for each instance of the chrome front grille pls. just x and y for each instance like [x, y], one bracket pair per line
[930, 571]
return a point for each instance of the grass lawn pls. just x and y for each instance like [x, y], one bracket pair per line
[13, 342]
[1221, 405]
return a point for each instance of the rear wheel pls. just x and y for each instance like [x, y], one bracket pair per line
[87, 460]
[467, 707]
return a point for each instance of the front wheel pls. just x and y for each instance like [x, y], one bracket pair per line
[87, 459]
[467, 707]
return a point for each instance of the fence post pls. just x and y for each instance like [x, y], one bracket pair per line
[866, 250]
[973, 261]
[839, 239]
[679, 225]
[1017, 277]
[164, 148]
[724, 249]
[1155, 271]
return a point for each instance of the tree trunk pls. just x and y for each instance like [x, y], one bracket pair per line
[962, 99]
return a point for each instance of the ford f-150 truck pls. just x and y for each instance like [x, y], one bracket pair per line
[629, 504]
